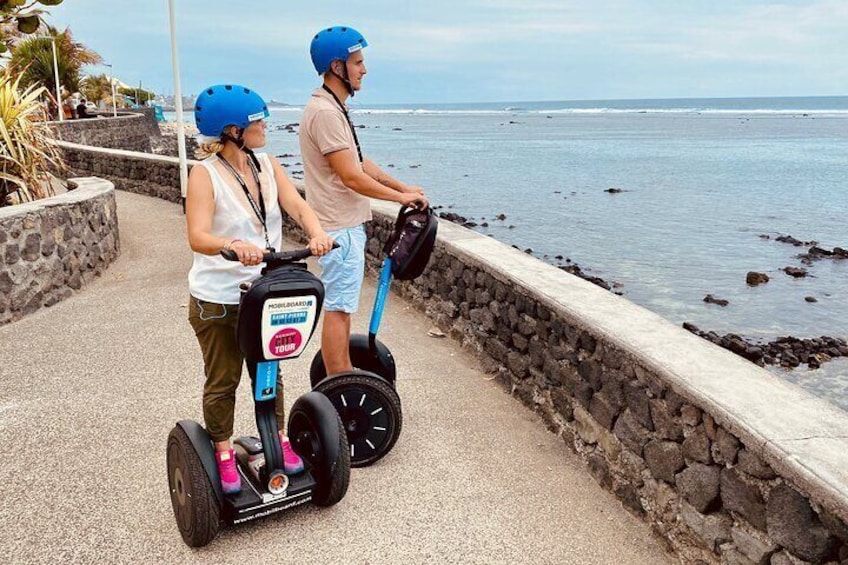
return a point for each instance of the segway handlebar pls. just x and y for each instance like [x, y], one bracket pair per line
[277, 257]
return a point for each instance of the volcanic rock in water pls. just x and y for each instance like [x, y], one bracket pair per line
[455, 218]
[796, 272]
[710, 299]
[500, 217]
[791, 240]
[816, 253]
[810, 299]
[753, 278]
[575, 270]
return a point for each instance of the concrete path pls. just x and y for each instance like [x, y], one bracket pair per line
[90, 388]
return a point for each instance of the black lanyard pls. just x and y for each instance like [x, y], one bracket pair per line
[259, 209]
[347, 117]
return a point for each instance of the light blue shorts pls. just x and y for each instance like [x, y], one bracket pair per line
[343, 270]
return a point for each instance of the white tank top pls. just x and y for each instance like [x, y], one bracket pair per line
[212, 278]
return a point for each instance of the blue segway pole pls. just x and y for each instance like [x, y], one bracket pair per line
[380, 302]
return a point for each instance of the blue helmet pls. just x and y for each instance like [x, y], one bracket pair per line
[225, 105]
[334, 44]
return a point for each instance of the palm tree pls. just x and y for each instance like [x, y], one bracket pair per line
[32, 58]
[96, 88]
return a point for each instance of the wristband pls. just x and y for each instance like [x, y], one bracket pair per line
[229, 245]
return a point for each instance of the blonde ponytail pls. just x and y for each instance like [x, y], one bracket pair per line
[209, 148]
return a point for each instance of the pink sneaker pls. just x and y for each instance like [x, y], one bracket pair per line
[230, 479]
[292, 463]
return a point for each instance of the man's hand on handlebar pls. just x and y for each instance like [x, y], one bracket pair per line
[414, 200]
[321, 245]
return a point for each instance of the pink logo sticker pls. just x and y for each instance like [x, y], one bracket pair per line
[285, 342]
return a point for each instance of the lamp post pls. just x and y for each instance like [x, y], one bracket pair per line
[58, 91]
[178, 103]
[112, 86]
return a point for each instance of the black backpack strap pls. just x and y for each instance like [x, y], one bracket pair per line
[404, 212]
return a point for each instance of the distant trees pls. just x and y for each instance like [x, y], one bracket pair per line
[139, 95]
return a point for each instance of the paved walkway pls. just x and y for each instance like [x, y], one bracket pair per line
[90, 388]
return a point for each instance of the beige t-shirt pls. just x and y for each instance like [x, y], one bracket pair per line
[324, 130]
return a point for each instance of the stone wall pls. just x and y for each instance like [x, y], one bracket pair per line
[52, 247]
[141, 173]
[728, 463]
[130, 130]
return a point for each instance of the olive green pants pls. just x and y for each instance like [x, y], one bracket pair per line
[215, 328]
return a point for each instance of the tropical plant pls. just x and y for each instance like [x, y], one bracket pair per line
[27, 153]
[32, 58]
[20, 17]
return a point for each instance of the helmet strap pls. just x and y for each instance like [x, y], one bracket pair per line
[239, 142]
[344, 78]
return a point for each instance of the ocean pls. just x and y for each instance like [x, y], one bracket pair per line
[707, 185]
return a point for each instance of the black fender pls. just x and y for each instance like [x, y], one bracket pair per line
[313, 414]
[205, 450]
[378, 360]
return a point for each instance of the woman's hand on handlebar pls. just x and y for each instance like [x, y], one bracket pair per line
[321, 245]
[248, 254]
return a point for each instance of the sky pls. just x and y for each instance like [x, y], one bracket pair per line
[444, 51]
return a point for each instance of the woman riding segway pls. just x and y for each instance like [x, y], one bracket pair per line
[241, 313]
[234, 202]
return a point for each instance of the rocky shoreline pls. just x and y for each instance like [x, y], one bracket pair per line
[788, 351]
[559, 261]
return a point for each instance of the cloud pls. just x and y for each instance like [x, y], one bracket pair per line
[490, 49]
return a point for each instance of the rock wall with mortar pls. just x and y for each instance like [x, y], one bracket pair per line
[132, 171]
[53, 247]
[129, 130]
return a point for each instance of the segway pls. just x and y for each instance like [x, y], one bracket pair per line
[278, 313]
[366, 398]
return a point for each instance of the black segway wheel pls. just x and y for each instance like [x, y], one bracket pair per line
[195, 506]
[370, 411]
[317, 435]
